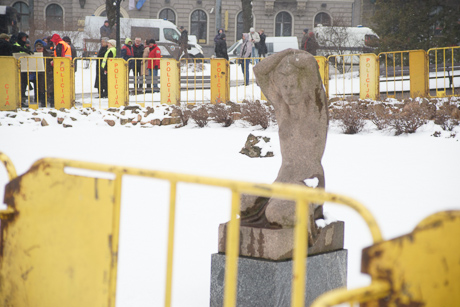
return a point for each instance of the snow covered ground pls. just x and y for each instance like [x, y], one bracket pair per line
[401, 179]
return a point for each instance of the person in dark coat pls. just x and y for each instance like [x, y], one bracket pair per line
[101, 78]
[138, 49]
[262, 47]
[217, 37]
[72, 49]
[105, 30]
[311, 44]
[221, 47]
[303, 42]
[38, 78]
[183, 42]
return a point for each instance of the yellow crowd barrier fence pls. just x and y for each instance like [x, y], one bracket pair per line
[47, 197]
[63, 83]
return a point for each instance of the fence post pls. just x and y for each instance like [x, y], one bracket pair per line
[369, 76]
[220, 81]
[170, 81]
[323, 71]
[64, 92]
[117, 82]
[9, 84]
[418, 72]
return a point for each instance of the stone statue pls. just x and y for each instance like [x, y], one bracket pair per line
[291, 81]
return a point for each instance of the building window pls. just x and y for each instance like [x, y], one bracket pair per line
[23, 12]
[323, 19]
[168, 14]
[199, 26]
[54, 17]
[283, 24]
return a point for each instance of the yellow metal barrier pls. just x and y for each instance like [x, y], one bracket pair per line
[343, 67]
[323, 71]
[421, 268]
[195, 80]
[9, 85]
[102, 195]
[404, 70]
[444, 63]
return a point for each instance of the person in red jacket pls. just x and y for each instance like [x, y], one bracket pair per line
[154, 59]
[61, 48]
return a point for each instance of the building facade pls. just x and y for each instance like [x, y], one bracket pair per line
[201, 17]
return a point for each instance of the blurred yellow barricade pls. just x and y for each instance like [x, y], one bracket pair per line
[421, 268]
[60, 232]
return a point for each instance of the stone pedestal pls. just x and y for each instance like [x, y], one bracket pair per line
[278, 244]
[268, 283]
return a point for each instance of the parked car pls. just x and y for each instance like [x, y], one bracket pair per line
[274, 44]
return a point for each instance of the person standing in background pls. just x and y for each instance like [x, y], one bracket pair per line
[255, 39]
[127, 52]
[73, 51]
[183, 42]
[245, 55]
[262, 46]
[311, 43]
[154, 60]
[303, 42]
[221, 47]
[105, 30]
[138, 49]
[101, 78]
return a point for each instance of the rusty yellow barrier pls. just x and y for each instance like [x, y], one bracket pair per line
[97, 79]
[220, 81]
[421, 268]
[101, 201]
[9, 85]
[442, 63]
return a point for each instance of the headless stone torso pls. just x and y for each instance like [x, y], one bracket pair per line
[291, 81]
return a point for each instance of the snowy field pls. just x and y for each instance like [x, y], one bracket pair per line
[401, 179]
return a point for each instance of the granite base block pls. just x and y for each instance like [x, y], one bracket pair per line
[268, 283]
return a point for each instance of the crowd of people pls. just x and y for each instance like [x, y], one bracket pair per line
[40, 81]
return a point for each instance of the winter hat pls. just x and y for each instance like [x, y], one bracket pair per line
[67, 39]
[252, 30]
[112, 42]
[127, 40]
[151, 41]
[305, 30]
[56, 38]
[4, 36]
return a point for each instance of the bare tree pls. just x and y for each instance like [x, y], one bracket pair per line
[247, 15]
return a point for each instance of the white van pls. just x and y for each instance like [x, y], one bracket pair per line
[164, 32]
[345, 40]
[274, 44]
